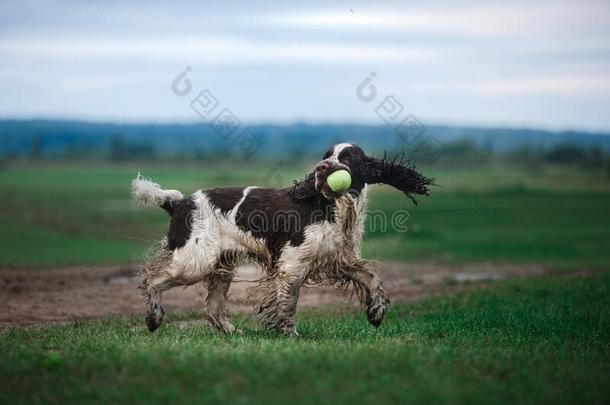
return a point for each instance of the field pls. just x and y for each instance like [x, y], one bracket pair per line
[545, 340]
[543, 336]
[82, 214]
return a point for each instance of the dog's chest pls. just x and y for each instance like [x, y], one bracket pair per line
[335, 240]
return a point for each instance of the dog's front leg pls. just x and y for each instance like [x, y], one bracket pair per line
[288, 287]
[373, 295]
[279, 306]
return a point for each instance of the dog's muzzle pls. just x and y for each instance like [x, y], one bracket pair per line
[324, 169]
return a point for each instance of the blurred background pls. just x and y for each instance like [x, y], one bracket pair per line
[506, 104]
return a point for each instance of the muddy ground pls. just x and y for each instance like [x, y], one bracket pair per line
[60, 295]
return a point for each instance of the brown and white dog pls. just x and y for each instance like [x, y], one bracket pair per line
[304, 233]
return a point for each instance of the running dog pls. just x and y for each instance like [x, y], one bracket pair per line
[306, 233]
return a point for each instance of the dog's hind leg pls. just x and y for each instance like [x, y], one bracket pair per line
[156, 280]
[370, 290]
[215, 311]
[153, 289]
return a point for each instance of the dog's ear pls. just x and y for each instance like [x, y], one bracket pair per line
[398, 173]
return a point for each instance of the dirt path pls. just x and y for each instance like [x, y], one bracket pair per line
[39, 296]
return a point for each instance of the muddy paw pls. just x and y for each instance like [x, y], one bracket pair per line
[152, 322]
[375, 315]
[288, 329]
[375, 311]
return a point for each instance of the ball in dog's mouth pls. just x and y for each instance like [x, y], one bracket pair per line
[339, 181]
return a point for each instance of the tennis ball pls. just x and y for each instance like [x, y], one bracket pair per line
[339, 181]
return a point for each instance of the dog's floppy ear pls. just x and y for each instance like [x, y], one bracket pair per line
[398, 173]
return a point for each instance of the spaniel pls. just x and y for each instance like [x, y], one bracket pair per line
[306, 233]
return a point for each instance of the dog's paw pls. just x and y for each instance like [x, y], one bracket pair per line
[375, 315]
[229, 329]
[375, 311]
[152, 323]
[289, 330]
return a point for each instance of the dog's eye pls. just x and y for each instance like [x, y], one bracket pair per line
[345, 155]
[346, 160]
[327, 154]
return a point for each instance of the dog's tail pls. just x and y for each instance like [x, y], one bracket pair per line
[150, 194]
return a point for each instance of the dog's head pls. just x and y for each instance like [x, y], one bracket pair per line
[368, 170]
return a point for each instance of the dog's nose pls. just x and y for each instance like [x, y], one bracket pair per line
[323, 167]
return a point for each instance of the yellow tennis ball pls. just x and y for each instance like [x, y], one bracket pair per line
[339, 181]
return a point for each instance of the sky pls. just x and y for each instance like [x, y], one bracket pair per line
[542, 64]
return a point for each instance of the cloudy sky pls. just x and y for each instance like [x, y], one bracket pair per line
[543, 64]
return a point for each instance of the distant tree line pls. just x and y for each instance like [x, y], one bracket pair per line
[563, 154]
[124, 149]
[458, 152]
[120, 150]
[466, 152]
[45, 139]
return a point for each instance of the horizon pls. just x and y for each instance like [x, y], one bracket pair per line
[304, 123]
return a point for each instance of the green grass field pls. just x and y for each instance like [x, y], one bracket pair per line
[77, 213]
[541, 340]
[534, 341]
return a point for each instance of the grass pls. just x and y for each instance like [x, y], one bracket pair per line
[516, 225]
[528, 341]
[75, 212]
[544, 340]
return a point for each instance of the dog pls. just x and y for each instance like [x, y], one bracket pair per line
[306, 233]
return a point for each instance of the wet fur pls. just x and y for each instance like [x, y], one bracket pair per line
[303, 234]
